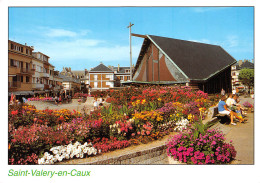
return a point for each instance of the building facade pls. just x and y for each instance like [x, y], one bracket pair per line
[171, 61]
[101, 78]
[70, 83]
[121, 75]
[83, 76]
[235, 69]
[20, 69]
[29, 72]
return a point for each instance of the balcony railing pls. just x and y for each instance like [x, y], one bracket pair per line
[44, 74]
[26, 71]
[14, 84]
[37, 86]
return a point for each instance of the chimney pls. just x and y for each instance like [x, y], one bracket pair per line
[25, 44]
[240, 62]
[118, 68]
[32, 47]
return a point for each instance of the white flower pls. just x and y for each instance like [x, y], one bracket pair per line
[46, 154]
[81, 155]
[85, 150]
[47, 162]
[67, 156]
[71, 156]
[77, 155]
[51, 161]
[60, 159]
[49, 157]
[95, 152]
[85, 144]
[41, 161]
[55, 151]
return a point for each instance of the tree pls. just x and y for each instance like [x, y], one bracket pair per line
[246, 76]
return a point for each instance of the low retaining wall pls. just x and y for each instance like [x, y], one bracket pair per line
[155, 155]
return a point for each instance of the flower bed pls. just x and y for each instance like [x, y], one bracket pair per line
[203, 148]
[247, 104]
[135, 115]
[80, 95]
[40, 99]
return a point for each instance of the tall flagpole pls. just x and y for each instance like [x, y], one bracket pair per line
[130, 39]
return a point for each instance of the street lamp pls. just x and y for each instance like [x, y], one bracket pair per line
[130, 25]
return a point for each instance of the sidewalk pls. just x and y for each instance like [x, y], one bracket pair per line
[242, 136]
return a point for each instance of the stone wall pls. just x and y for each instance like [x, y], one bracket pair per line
[155, 155]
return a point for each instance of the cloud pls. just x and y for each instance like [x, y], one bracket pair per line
[91, 50]
[56, 32]
[60, 33]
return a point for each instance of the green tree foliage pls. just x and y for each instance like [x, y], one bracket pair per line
[246, 76]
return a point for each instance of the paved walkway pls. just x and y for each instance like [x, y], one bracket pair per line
[74, 105]
[242, 136]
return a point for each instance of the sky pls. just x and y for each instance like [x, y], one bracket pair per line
[82, 37]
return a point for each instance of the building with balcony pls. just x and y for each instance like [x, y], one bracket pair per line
[57, 82]
[70, 83]
[101, 78]
[121, 74]
[43, 76]
[235, 69]
[83, 76]
[20, 69]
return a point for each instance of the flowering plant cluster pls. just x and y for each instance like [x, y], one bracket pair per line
[80, 95]
[135, 115]
[40, 99]
[70, 151]
[247, 104]
[207, 148]
[105, 144]
[28, 160]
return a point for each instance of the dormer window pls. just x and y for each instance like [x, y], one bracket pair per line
[127, 70]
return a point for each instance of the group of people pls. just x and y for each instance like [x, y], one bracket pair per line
[62, 98]
[98, 103]
[230, 106]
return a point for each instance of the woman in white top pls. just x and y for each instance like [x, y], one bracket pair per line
[230, 101]
[95, 104]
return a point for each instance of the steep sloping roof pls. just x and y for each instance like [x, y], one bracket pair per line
[121, 70]
[198, 61]
[246, 64]
[101, 68]
[66, 78]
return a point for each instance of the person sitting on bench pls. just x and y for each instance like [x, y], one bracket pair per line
[222, 109]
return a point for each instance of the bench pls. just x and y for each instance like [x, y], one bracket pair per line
[223, 117]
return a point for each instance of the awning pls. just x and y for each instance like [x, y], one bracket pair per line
[21, 93]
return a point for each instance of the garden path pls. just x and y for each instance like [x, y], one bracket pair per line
[242, 136]
[74, 105]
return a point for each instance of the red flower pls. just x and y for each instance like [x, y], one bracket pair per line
[14, 112]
